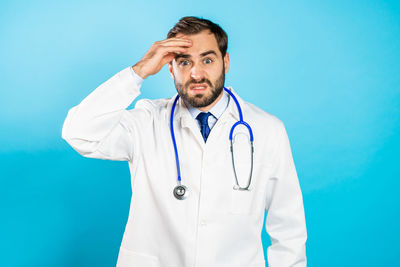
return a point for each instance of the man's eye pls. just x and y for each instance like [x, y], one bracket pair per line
[184, 63]
[207, 60]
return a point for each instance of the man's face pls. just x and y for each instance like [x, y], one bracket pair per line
[199, 73]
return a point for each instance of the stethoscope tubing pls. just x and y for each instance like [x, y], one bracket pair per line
[237, 187]
[173, 139]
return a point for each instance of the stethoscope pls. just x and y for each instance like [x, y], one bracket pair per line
[181, 191]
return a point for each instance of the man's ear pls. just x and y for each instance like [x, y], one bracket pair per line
[226, 62]
[170, 69]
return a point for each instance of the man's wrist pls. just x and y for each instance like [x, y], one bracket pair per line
[136, 68]
[136, 77]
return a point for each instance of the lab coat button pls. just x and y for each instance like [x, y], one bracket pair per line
[203, 223]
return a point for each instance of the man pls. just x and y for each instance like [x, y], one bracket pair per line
[215, 224]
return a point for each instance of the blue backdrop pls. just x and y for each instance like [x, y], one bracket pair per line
[328, 69]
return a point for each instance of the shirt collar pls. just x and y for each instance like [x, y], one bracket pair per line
[183, 115]
[216, 110]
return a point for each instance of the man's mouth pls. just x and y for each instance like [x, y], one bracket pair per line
[198, 87]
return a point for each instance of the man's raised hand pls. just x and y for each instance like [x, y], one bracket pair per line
[160, 53]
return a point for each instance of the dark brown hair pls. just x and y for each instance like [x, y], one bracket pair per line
[192, 25]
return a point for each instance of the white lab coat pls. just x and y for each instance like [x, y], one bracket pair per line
[215, 225]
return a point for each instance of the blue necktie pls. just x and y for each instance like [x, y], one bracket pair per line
[203, 119]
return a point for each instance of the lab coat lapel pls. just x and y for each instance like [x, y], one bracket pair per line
[227, 119]
[183, 119]
[231, 113]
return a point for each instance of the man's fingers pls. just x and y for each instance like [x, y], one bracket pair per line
[176, 42]
[175, 39]
[173, 49]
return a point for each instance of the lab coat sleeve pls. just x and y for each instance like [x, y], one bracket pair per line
[285, 221]
[100, 126]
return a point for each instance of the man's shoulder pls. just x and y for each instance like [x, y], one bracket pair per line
[148, 110]
[263, 122]
[261, 116]
[153, 106]
[153, 103]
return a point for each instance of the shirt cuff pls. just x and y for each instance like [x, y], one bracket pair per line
[137, 78]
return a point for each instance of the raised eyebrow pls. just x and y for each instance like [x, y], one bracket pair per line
[202, 54]
[208, 52]
[183, 56]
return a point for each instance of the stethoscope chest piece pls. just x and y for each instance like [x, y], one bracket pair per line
[181, 192]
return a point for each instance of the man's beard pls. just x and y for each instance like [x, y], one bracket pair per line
[199, 100]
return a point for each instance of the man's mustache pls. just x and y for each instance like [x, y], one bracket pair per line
[204, 80]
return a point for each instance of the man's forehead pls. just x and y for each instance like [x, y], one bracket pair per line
[202, 42]
[201, 38]
[203, 33]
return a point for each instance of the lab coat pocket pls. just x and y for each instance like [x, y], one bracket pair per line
[243, 201]
[127, 258]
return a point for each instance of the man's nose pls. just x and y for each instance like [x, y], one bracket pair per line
[196, 72]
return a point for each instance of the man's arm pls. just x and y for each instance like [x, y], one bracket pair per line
[285, 222]
[100, 126]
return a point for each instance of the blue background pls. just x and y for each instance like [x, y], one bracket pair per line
[328, 69]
